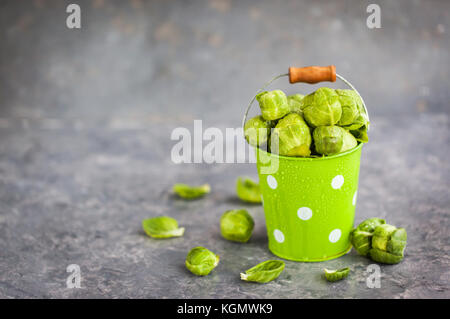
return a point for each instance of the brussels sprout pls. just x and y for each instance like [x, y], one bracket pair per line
[247, 190]
[264, 272]
[336, 275]
[236, 225]
[256, 131]
[291, 136]
[295, 103]
[274, 104]
[329, 140]
[388, 244]
[162, 227]
[191, 192]
[200, 261]
[322, 107]
[351, 104]
[382, 242]
[361, 236]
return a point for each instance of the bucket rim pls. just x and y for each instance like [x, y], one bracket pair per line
[311, 159]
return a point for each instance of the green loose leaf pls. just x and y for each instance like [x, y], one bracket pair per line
[264, 272]
[248, 190]
[257, 130]
[322, 107]
[361, 236]
[384, 257]
[201, 261]
[295, 103]
[291, 136]
[162, 227]
[336, 275]
[237, 225]
[191, 192]
[274, 104]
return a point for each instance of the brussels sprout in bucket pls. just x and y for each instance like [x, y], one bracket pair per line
[322, 123]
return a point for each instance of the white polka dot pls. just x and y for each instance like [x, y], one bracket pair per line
[272, 182]
[279, 236]
[334, 235]
[304, 213]
[354, 198]
[337, 181]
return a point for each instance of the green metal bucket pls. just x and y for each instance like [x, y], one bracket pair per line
[309, 203]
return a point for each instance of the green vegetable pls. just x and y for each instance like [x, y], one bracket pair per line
[388, 244]
[295, 103]
[236, 225]
[336, 275]
[361, 236]
[201, 261]
[329, 140]
[191, 192]
[291, 136]
[257, 130]
[162, 227]
[248, 190]
[274, 104]
[322, 107]
[351, 105]
[382, 242]
[264, 272]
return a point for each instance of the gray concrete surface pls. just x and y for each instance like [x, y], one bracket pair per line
[85, 123]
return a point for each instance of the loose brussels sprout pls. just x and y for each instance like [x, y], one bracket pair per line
[201, 261]
[264, 272]
[361, 236]
[329, 140]
[295, 103]
[274, 104]
[351, 104]
[257, 130]
[382, 242]
[162, 227]
[191, 192]
[388, 244]
[336, 275]
[322, 107]
[291, 136]
[247, 190]
[236, 225]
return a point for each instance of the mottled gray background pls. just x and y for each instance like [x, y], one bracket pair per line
[85, 123]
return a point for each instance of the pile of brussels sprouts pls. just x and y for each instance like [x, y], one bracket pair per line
[325, 122]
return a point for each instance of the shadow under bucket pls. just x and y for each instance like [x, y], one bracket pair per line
[309, 203]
